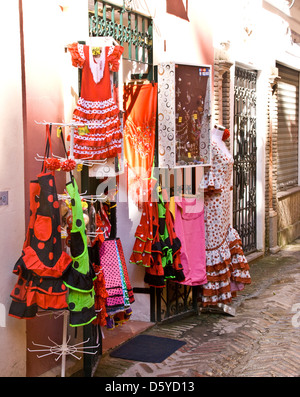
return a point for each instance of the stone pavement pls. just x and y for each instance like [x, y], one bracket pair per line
[261, 340]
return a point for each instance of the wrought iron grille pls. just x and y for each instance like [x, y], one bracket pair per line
[244, 152]
[133, 30]
[172, 301]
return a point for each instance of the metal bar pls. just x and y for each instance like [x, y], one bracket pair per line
[136, 37]
[130, 37]
[143, 36]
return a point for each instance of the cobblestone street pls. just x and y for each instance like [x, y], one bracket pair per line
[261, 340]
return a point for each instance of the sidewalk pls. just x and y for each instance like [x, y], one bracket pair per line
[262, 339]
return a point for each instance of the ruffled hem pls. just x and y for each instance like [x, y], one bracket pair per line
[79, 281]
[29, 282]
[31, 262]
[34, 300]
[94, 155]
[101, 140]
[227, 270]
[81, 114]
[84, 317]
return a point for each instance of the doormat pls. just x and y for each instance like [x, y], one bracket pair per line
[147, 348]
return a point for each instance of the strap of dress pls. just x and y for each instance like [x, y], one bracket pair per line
[48, 146]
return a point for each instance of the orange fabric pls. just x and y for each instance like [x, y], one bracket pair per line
[140, 102]
[34, 264]
[43, 227]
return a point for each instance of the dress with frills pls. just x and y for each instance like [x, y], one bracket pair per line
[227, 268]
[96, 107]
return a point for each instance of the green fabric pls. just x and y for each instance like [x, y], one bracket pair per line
[167, 257]
[80, 300]
[78, 225]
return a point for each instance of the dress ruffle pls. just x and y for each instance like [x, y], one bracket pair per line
[84, 113]
[31, 262]
[77, 60]
[98, 153]
[156, 245]
[98, 140]
[227, 270]
[211, 183]
[114, 57]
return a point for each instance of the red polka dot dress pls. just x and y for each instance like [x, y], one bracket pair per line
[96, 106]
[42, 265]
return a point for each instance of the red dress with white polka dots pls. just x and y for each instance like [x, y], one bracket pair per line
[96, 107]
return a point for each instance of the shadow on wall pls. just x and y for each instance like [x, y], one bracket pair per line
[179, 8]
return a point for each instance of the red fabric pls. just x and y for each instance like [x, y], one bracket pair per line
[34, 264]
[96, 108]
[100, 297]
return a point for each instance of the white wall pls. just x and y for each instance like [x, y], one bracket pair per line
[48, 70]
[12, 229]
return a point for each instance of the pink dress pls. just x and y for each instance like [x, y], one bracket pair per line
[189, 228]
[96, 107]
[226, 266]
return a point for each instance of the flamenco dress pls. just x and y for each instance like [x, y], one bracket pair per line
[96, 107]
[80, 278]
[43, 264]
[226, 265]
[156, 245]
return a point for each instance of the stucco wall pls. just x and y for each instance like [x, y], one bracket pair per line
[12, 230]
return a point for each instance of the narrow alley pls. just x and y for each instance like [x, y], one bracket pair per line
[261, 340]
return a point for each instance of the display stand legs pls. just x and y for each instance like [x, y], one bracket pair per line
[61, 351]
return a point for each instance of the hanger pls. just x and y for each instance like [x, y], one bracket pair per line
[219, 127]
[87, 161]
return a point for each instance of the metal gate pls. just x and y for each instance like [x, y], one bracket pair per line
[244, 152]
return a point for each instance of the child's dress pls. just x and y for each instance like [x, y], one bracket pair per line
[96, 107]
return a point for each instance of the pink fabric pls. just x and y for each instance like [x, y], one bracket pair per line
[190, 229]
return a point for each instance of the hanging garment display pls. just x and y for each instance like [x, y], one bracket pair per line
[156, 245]
[96, 107]
[140, 103]
[99, 286]
[226, 266]
[190, 229]
[43, 264]
[117, 283]
[80, 279]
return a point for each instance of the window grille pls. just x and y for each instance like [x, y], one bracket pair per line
[133, 30]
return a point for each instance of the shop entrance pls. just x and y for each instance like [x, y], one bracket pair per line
[244, 152]
[134, 32]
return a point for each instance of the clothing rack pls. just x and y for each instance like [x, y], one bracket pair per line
[61, 351]
[64, 349]
[86, 161]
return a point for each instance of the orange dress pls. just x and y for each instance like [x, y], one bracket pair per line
[96, 107]
[140, 103]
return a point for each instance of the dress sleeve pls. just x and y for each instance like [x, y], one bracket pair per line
[113, 57]
[77, 54]
[212, 181]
